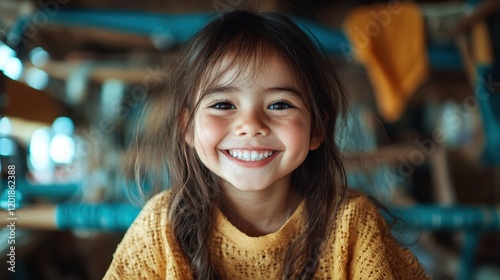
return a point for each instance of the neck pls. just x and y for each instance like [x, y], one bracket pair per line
[258, 213]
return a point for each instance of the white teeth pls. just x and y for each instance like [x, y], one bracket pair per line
[254, 155]
[250, 155]
[246, 155]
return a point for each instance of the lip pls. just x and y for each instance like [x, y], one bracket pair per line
[251, 164]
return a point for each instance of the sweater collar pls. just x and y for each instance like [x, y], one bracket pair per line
[290, 229]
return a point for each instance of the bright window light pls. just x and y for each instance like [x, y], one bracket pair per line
[38, 56]
[7, 147]
[5, 53]
[13, 68]
[63, 125]
[37, 78]
[5, 126]
[39, 149]
[62, 149]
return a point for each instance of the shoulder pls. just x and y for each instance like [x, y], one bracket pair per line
[365, 241]
[143, 252]
[158, 201]
[357, 205]
[355, 197]
[155, 210]
[361, 217]
[154, 213]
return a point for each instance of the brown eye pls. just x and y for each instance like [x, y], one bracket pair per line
[223, 106]
[280, 106]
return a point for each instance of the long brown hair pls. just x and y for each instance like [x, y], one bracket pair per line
[163, 157]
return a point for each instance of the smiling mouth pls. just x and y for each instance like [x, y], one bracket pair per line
[246, 155]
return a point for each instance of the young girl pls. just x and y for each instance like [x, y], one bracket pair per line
[257, 185]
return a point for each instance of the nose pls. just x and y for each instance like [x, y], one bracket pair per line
[252, 123]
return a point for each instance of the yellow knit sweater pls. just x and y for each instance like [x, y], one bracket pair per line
[361, 247]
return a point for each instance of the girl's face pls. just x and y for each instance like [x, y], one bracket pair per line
[253, 129]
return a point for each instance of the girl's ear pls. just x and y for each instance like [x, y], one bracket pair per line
[188, 135]
[316, 140]
[318, 136]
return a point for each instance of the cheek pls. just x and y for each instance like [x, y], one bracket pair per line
[208, 133]
[297, 132]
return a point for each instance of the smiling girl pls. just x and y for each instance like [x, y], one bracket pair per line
[257, 184]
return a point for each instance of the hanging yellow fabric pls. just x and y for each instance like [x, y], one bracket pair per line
[389, 40]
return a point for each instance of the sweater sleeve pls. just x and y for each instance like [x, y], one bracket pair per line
[375, 254]
[141, 253]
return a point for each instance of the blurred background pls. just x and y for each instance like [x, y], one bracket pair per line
[422, 135]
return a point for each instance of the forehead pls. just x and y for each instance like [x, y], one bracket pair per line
[261, 68]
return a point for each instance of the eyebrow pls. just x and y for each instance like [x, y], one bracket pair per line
[283, 89]
[220, 89]
[227, 89]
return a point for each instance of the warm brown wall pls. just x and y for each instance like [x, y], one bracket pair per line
[30, 104]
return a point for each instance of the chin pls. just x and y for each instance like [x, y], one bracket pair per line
[248, 187]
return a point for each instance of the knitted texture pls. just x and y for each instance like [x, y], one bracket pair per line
[361, 247]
